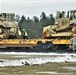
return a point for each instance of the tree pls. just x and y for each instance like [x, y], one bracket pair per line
[35, 19]
[43, 16]
[35, 26]
[52, 19]
[43, 19]
[21, 22]
[23, 18]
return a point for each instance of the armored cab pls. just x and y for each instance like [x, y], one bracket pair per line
[8, 26]
[64, 26]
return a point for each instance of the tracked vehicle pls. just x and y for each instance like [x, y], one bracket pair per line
[64, 26]
[63, 29]
[8, 26]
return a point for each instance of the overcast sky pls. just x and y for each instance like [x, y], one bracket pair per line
[36, 7]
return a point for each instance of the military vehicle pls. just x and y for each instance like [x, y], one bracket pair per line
[58, 36]
[64, 26]
[8, 26]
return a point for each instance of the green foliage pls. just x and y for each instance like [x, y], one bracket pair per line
[23, 18]
[35, 19]
[35, 26]
[52, 19]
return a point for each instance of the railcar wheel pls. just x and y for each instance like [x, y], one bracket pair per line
[51, 46]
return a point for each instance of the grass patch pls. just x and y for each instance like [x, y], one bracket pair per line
[32, 70]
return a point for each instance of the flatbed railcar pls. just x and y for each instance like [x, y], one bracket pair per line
[32, 44]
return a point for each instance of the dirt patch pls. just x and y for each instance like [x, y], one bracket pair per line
[49, 68]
